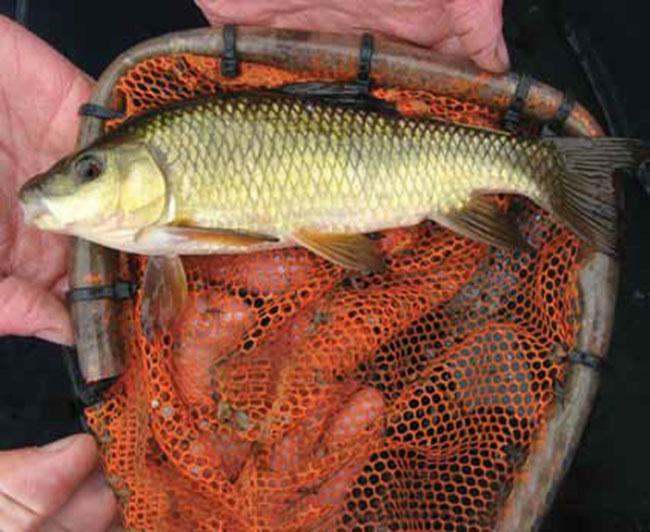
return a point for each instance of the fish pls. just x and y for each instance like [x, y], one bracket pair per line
[245, 172]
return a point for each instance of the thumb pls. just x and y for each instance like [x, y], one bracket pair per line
[35, 482]
[27, 309]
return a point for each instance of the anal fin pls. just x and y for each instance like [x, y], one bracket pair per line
[352, 251]
[482, 220]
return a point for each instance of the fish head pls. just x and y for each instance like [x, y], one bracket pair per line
[107, 188]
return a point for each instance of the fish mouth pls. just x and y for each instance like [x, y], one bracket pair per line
[35, 210]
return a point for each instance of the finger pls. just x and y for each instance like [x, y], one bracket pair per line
[228, 318]
[361, 411]
[36, 482]
[29, 310]
[289, 454]
[478, 25]
[92, 508]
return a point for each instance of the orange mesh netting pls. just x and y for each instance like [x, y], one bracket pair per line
[298, 396]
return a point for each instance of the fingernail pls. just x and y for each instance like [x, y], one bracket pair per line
[59, 445]
[502, 53]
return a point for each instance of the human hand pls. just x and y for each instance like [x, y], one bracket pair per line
[55, 488]
[40, 93]
[464, 28]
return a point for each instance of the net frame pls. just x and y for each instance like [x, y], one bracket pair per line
[336, 56]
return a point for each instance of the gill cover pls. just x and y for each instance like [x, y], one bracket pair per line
[107, 187]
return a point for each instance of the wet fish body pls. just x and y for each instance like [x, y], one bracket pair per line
[246, 172]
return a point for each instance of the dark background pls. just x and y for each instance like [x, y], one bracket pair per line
[607, 487]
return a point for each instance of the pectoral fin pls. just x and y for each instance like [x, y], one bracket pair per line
[171, 234]
[164, 294]
[482, 220]
[352, 251]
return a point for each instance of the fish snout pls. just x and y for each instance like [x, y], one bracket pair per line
[35, 210]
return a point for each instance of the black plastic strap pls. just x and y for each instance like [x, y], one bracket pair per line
[350, 94]
[22, 8]
[555, 126]
[119, 291]
[586, 359]
[564, 111]
[99, 111]
[515, 110]
[229, 61]
[366, 52]
[323, 90]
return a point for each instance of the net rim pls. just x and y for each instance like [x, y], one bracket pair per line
[331, 55]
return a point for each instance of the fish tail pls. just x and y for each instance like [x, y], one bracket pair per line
[588, 200]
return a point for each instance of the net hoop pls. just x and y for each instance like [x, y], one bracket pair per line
[397, 64]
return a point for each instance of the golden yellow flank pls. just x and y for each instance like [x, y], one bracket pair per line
[276, 165]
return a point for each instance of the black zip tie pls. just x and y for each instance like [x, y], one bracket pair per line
[99, 111]
[87, 393]
[515, 110]
[586, 359]
[324, 89]
[556, 124]
[355, 92]
[119, 291]
[566, 107]
[22, 8]
[366, 51]
[229, 62]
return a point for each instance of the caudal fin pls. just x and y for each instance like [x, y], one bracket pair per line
[588, 203]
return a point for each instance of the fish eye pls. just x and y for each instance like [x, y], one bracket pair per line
[89, 167]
